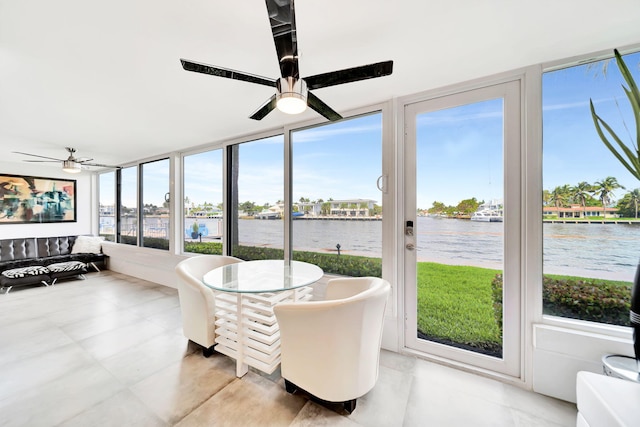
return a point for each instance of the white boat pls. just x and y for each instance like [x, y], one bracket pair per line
[492, 211]
[267, 214]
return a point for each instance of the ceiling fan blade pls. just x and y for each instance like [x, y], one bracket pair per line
[42, 161]
[100, 165]
[264, 109]
[316, 104]
[349, 75]
[197, 67]
[35, 155]
[282, 18]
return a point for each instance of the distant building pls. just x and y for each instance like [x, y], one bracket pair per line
[346, 207]
[351, 207]
[577, 211]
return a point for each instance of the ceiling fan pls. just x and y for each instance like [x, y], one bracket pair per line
[293, 93]
[71, 164]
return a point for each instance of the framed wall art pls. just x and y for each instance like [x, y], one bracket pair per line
[32, 199]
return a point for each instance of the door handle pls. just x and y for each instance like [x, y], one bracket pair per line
[410, 247]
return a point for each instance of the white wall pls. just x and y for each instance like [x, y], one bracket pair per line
[561, 352]
[84, 210]
[155, 265]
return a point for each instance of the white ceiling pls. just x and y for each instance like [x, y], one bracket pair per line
[105, 77]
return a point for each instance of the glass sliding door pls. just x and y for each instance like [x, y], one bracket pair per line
[336, 205]
[462, 158]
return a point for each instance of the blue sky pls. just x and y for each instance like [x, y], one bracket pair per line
[339, 161]
[573, 152]
[459, 149]
[459, 154]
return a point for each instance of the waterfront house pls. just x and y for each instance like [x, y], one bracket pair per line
[577, 211]
[106, 79]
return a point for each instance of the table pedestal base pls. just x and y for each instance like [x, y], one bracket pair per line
[247, 330]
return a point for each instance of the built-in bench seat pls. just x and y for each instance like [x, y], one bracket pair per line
[35, 260]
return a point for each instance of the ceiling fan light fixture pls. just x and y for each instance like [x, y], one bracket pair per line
[71, 167]
[291, 103]
[293, 100]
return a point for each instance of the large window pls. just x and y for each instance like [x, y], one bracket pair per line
[134, 205]
[590, 201]
[336, 205]
[128, 220]
[107, 206]
[203, 202]
[155, 204]
[256, 192]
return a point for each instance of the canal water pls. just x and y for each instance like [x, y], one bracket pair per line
[608, 251]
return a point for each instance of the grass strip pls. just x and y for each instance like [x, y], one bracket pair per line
[455, 303]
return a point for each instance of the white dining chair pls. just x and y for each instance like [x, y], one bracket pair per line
[331, 348]
[197, 301]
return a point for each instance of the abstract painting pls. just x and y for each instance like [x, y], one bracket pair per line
[32, 199]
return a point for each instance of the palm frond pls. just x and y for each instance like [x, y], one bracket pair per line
[633, 163]
[633, 93]
[629, 157]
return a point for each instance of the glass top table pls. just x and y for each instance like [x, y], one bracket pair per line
[262, 276]
[245, 294]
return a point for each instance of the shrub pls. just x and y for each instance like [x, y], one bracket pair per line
[587, 299]
[149, 242]
[594, 300]
[496, 293]
[345, 265]
[209, 248]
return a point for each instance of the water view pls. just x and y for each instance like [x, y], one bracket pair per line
[607, 251]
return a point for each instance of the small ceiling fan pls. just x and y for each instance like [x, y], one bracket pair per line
[293, 93]
[72, 164]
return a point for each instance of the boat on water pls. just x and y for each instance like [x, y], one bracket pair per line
[492, 211]
[267, 214]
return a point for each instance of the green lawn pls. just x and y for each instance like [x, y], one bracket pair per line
[455, 304]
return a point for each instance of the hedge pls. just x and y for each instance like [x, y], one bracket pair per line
[594, 300]
[345, 265]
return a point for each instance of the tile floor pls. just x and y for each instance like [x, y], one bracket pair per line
[109, 351]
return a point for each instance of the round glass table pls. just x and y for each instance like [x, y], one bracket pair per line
[245, 294]
[262, 276]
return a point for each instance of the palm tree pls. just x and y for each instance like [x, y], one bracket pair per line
[604, 190]
[559, 196]
[633, 200]
[581, 193]
[325, 208]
